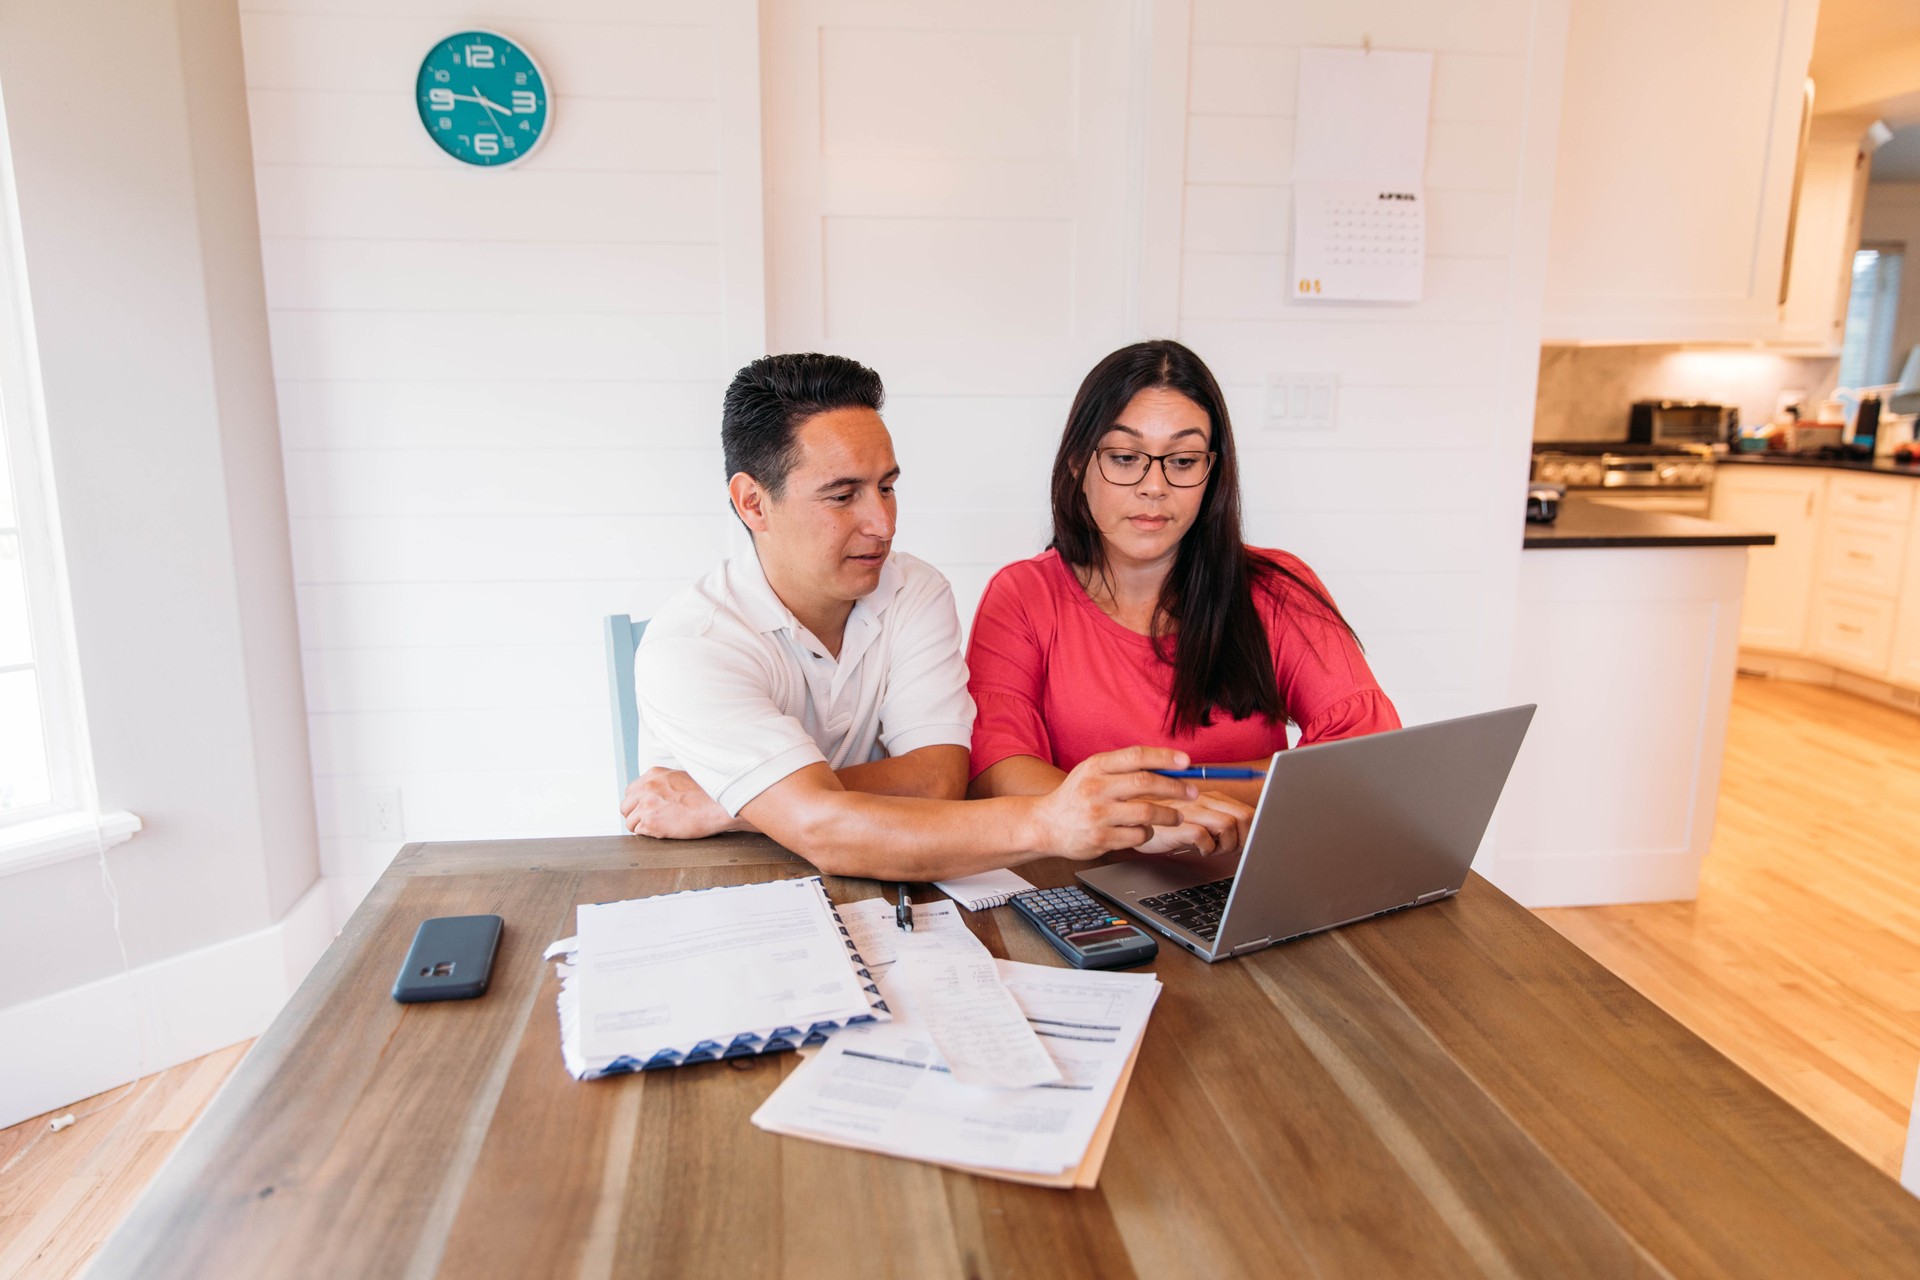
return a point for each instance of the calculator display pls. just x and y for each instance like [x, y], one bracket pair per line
[1103, 935]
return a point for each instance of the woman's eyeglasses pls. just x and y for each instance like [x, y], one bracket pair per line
[1130, 466]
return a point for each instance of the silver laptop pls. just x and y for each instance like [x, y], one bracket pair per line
[1344, 830]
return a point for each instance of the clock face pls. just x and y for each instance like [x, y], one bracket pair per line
[482, 99]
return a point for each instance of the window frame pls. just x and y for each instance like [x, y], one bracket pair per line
[23, 432]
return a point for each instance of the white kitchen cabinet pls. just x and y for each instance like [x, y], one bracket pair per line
[1627, 654]
[1862, 555]
[1903, 665]
[1786, 503]
[1883, 499]
[1679, 129]
[1826, 231]
[1852, 629]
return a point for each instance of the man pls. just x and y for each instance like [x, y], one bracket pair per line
[814, 689]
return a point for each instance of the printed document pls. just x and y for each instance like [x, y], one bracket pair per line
[886, 1087]
[873, 926]
[681, 969]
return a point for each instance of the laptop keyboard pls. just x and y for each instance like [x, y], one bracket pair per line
[1196, 910]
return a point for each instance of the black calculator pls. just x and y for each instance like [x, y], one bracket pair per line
[1084, 930]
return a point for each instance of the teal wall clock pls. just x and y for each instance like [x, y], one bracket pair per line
[482, 99]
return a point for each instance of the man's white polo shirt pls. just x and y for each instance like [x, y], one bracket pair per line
[733, 689]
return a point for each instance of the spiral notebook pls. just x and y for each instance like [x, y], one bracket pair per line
[688, 977]
[988, 889]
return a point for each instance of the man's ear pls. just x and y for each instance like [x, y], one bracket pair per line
[750, 501]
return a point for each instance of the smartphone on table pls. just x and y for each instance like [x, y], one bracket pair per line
[451, 959]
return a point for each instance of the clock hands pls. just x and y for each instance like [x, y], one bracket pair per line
[488, 107]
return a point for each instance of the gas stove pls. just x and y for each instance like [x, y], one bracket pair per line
[1616, 464]
[1652, 477]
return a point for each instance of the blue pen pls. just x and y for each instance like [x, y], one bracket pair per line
[1219, 772]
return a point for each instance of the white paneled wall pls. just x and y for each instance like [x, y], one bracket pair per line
[1407, 507]
[499, 392]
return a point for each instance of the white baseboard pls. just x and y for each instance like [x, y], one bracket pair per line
[74, 1044]
[1595, 879]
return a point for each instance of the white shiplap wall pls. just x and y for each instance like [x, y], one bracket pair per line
[1409, 506]
[499, 392]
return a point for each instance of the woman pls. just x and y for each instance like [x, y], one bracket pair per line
[1148, 620]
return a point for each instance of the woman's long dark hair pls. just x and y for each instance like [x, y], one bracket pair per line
[1207, 624]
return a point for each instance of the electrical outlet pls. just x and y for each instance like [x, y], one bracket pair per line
[1301, 401]
[383, 815]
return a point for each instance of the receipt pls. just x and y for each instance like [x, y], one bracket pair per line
[969, 1015]
[950, 981]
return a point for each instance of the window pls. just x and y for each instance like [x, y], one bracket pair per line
[48, 810]
[1866, 353]
[36, 774]
[26, 783]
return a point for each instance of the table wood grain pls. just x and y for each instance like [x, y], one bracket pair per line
[1449, 1091]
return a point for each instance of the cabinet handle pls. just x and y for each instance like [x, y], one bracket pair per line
[1858, 555]
[1850, 629]
[1809, 504]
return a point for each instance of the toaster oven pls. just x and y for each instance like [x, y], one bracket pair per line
[1681, 422]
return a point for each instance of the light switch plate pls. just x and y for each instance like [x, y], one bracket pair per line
[1302, 401]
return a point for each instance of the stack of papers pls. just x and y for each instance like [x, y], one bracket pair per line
[709, 973]
[887, 1087]
[928, 1048]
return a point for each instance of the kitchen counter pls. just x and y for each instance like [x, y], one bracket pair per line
[1833, 464]
[1584, 523]
[1628, 645]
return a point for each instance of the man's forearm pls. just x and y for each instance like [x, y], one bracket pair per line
[907, 838]
[1110, 801]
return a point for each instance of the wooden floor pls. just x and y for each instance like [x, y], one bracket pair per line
[1800, 960]
[62, 1193]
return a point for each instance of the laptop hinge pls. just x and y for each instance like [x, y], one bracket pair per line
[1249, 946]
[1429, 897]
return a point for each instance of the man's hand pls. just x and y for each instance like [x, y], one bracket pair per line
[1212, 823]
[669, 805]
[1109, 802]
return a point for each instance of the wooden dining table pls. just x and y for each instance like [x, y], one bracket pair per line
[1453, 1090]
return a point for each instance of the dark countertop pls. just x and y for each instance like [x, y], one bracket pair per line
[1794, 460]
[1584, 524]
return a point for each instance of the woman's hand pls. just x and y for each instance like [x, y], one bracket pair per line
[1212, 823]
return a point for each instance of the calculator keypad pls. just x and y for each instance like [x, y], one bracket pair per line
[1068, 911]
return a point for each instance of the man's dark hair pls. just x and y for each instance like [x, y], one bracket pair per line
[770, 399]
